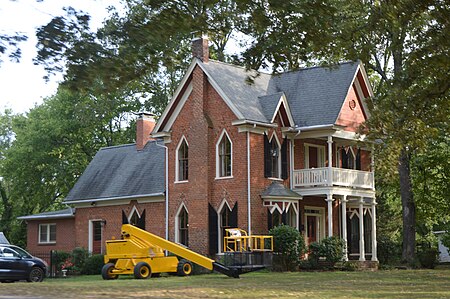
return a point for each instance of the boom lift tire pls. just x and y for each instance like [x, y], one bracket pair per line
[107, 272]
[184, 268]
[142, 270]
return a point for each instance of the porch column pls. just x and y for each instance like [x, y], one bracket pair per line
[330, 160]
[374, 232]
[344, 226]
[330, 214]
[362, 254]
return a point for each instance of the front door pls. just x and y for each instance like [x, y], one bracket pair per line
[311, 226]
[97, 237]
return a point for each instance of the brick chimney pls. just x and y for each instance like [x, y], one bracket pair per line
[144, 127]
[200, 48]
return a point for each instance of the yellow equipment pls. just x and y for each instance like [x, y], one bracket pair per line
[237, 240]
[142, 254]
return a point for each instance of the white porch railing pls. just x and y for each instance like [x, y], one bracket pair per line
[338, 177]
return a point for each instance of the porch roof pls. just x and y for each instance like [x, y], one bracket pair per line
[278, 190]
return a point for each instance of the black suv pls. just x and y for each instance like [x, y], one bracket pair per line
[17, 264]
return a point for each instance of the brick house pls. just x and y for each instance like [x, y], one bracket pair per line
[229, 153]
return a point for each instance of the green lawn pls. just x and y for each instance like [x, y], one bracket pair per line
[381, 284]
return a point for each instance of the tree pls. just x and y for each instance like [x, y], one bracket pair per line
[146, 48]
[405, 46]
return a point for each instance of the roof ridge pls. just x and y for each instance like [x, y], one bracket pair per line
[318, 67]
[116, 146]
[237, 66]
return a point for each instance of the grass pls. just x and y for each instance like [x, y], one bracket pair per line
[381, 284]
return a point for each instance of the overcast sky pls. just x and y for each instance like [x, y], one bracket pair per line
[21, 84]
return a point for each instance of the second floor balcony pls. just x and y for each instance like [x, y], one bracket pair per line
[325, 176]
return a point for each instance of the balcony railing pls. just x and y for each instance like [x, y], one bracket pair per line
[337, 177]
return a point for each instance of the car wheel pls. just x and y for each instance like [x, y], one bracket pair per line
[142, 271]
[36, 275]
[184, 268]
[107, 273]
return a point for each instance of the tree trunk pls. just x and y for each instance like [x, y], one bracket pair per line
[408, 208]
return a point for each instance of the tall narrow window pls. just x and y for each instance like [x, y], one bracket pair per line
[183, 227]
[225, 157]
[274, 158]
[182, 161]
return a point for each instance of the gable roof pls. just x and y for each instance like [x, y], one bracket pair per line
[121, 172]
[314, 96]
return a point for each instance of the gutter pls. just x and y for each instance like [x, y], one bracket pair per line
[252, 122]
[113, 198]
[166, 188]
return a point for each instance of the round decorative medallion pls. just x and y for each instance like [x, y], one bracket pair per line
[352, 104]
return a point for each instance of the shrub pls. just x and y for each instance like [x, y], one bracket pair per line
[289, 244]
[79, 256]
[93, 265]
[389, 251]
[329, 250]
[428, 257]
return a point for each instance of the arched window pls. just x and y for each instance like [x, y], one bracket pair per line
[182, 161]
[275, 158]
[183, 226]
[224, 156]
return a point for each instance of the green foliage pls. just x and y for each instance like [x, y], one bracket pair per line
[445, 239]
[389, 250]
[289, 244]
[330, 249]
[93, 265]
[428, 257]
[79, 258]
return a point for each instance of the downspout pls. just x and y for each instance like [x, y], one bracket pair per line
[167, 187]
[249, 214]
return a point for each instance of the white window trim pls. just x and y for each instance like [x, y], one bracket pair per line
[48, 233]
[132, 212]
[320, 156]
[295, 208]
[177, 170]
[177, 222]
[91, 234]
[279, 157]
[222, 206]
[218, 177]
[321, 215]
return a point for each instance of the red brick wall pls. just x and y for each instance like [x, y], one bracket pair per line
[349, 118]
[65, 239]
[155, 223]
[201, 121]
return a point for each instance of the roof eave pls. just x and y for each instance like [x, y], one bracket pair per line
[91, 200]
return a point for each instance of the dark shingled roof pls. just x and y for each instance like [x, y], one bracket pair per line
[315, 95]
[269, 104]
[122, 171]
[66, 213]
[277, 189]
[233, 81]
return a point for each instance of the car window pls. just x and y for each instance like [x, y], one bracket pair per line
[22, 252]
[8, 252]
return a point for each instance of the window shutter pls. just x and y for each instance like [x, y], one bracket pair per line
[344, 158]
[267, 165]
[283, 218]
[234, 216]
[269, 220]
[141, 221]
[213, 237]
[358, 159]
[284, 163]
[124, 218]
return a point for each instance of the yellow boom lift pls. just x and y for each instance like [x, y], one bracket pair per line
[141, 254]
